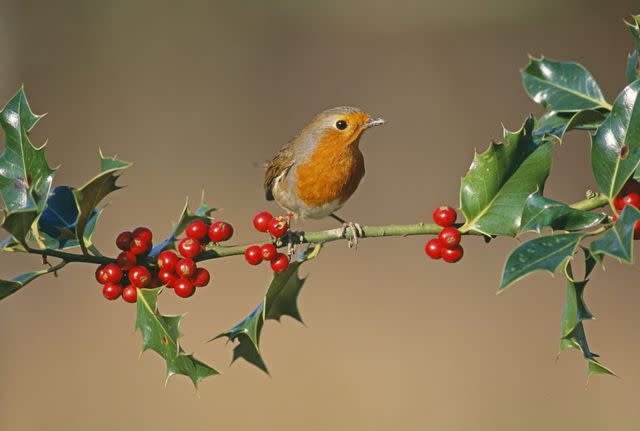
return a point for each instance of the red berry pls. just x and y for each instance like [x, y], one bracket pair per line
[123, 241]
[112, 291]
[100, 274]
[433, 248]
[139, 246]
[632, 199]
[617, 203]
[280, 262]
[197, 230]
[143, 233]
[444, 216]
[253, 255]
[452, 255]
[140, 276]
[167, 277]
[189, 247]
[278, 226]
[126, 260]
[184, 288]
[449, 237]
[111, 274]
[614, 218]
[201, 277]
[185, 268]
[220, 231]
[130, 294]
[167, 260]
[261, 221]
[268, 251]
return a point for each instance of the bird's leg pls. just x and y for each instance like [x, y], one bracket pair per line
[355, 228]
[292, 236]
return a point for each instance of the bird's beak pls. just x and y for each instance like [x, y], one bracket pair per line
[372, 122]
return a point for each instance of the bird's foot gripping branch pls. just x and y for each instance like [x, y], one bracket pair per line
[502, 194]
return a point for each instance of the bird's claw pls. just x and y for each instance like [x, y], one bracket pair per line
[292, 237]
[356, 231]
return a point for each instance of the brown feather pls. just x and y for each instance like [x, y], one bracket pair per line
[280, 163]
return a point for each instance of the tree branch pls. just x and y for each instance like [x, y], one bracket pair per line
[319, 237]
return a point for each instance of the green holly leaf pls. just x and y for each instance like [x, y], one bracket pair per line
[547, 253]
[575, 312]
[57, 223]
[281, 299]
[89, 195]
[618, 240]
[25, 176]
[499, 181]
[541, 212]
[160, 333]
[282, 296]
[8, 287]
[9, 244]
[247, 334]
[562, 86]
[18, 224]
[575, 309]
[557, 124]
[633, 63]
[186, 218]
[615, 150]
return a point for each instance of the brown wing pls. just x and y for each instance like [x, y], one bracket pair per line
[276, 167]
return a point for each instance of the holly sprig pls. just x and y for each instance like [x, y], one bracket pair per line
[502, 194]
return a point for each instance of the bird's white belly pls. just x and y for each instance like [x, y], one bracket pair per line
[319, 212]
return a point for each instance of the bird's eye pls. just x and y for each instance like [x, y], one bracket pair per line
[341, 125]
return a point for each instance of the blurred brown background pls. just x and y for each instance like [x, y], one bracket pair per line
[197, 93]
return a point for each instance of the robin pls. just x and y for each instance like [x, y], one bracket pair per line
[317, 171]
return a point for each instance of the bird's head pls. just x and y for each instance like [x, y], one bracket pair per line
[341, 126]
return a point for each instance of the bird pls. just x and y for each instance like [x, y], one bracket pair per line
[316, 172]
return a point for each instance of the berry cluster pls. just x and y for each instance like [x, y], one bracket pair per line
[128, 273]
[277, 227]
[181, 273]
[629, 195]
[447, 244]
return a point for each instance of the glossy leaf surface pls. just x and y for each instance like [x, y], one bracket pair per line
[562, 86]
[499, 181]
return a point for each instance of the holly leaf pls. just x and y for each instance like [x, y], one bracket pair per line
[615, 149]
[247, 334]
[281, 299]
[618, 240]
[633, 63]
[562, 86]
[57, 223]
[547, 253]
[541, 212]
[18, 224]
[499, 181]
[9, 287]
[575, 312]
[186, 218]
[557, 124]
[9, 244]
[89, 195]
[160, 333]
[25, 176]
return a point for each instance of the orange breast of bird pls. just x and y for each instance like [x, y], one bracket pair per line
[332, 173]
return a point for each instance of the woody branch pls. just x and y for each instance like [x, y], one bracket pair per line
[318, 237]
